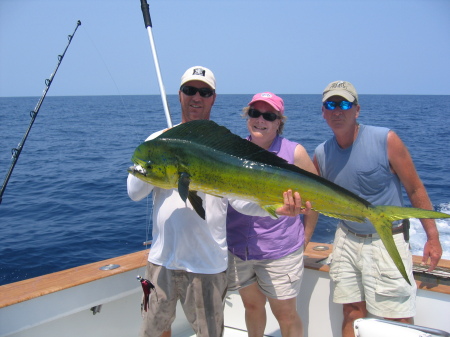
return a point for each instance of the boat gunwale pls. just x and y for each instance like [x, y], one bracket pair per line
[28, 289]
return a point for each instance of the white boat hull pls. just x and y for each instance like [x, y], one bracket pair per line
[61, 304]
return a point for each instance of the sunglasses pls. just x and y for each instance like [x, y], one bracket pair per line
[344, 105]
[268, 116]
[191, 91]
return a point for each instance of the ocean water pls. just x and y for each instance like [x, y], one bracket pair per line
[66, 203]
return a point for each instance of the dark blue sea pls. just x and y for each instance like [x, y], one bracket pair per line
[66, 203]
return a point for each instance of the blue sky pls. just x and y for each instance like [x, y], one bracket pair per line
[284, 46]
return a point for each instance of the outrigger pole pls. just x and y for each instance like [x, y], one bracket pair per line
[148, 25]
[16, 151]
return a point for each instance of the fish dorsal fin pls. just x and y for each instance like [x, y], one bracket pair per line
[221, 139]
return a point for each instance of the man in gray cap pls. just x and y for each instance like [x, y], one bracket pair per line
[189, 257]
[373, 163]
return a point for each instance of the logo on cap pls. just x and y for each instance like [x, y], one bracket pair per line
[340, 84]
[199, 72]
[265, 94]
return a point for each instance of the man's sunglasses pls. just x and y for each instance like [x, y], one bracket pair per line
[344, 105]
[191, 91]
[268, 116]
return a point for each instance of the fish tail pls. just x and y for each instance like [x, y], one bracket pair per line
[384, 230]
[399, 213]
[382, 219]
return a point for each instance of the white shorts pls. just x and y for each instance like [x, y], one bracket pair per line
[362, 270]
[279, 279]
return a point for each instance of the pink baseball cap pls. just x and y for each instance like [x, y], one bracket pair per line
[268, 97]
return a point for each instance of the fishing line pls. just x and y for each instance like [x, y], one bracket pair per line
[16, 151]
[148, 219]
[136, 135]
[127, 111]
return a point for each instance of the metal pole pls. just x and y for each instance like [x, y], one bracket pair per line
[148, 24]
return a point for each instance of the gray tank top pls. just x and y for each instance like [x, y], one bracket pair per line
[363, 168]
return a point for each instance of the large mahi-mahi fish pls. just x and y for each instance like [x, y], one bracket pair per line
[203, 156]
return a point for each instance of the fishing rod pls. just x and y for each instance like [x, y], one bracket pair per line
[16, 151]
[148, 25]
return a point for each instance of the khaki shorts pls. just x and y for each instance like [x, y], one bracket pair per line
[202, 297]
[278, 279]
[362, 270]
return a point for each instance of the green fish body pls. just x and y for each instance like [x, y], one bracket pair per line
[203, 156]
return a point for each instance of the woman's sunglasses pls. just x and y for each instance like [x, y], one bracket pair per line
[191, 91]
[344, 105]
[268, 116]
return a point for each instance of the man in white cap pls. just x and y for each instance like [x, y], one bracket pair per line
[188, 257]
[373, 163]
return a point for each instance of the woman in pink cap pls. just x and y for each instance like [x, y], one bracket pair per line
[265, 255]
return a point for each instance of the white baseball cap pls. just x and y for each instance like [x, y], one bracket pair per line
[199, 73]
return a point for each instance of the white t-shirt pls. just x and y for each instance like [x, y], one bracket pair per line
[182, 240]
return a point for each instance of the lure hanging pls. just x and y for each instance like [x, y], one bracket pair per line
[147, 287]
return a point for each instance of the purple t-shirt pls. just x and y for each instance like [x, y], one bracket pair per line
[261, 238]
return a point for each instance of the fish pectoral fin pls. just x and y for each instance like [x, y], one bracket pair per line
[183, 185]
[197, 203]
[271, 209]
[183, 189]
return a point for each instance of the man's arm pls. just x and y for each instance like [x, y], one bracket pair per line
[402, 164]
[302, 160]
[137, 189]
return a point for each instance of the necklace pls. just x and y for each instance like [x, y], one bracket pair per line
[356, 132]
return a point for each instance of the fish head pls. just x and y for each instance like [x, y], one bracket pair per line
[154, 166]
